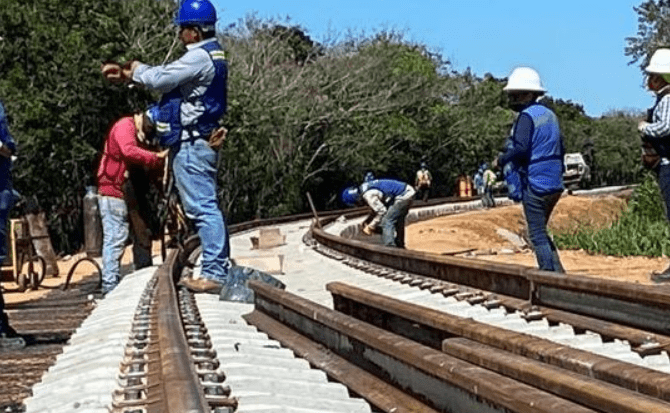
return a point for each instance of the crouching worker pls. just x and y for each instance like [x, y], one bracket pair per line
[121, 150]
[390, 200]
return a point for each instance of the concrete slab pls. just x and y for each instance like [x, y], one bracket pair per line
[271, 264]
[268, 238]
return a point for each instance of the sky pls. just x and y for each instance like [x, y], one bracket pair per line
[577, 47]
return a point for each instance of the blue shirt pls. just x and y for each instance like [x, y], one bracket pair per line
[537, 149]
[519, 151]
[6, 140]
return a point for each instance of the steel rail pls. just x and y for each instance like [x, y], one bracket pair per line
[334, 214]
[640, 306]
[376, 391]
[181, 387]
[643, 342]
[520, 282]
[598, 382]
[443, 382]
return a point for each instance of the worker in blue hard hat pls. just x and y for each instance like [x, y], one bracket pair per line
[369, 176]
[187, 118]
[390, 200]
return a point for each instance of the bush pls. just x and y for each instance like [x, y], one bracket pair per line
[641, 230]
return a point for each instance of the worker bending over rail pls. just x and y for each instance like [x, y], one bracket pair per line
[390, 200]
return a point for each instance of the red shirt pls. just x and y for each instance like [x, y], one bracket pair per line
[121, 149]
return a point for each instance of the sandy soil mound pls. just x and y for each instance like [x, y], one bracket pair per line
[477, 234]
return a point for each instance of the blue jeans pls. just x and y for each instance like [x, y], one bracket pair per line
[194, 168]
[393, 223]
[6, 203]
[488, 195]
[537, 209]
[4, 320]
[663, 173]
[114, 215]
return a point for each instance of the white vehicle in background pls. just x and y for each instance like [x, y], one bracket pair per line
[577, 172]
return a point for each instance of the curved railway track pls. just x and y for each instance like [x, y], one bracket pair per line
[398, 330]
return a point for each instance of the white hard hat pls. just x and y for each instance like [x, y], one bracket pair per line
[659, 62]
[524, 79]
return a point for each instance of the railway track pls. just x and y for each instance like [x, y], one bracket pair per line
[47, 325]
[388, 330]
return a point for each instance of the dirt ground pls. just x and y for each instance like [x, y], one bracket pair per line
[478, 233]
[11, 293]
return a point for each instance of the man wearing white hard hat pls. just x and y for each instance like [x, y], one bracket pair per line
[536, 149]
[655, 131]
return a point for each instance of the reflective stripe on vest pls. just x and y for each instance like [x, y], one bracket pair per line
[215, 97]
[168, 123]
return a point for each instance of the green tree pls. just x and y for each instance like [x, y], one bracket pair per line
[58, 103]
[312, 127]
[653, 31]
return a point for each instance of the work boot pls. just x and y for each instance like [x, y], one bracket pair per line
[11, 340]
[201, 285]
[661, 277]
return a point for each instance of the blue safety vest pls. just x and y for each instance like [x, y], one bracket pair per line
[545, 166]
[214, 100]
[513, 175]
[389, 187]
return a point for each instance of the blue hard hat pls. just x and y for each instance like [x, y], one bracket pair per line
[196, 13]
[350, 195]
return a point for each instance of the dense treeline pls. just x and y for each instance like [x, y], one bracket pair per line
[303, 116]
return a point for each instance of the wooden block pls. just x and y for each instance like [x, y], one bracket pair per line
[268, 238]
[254, 243]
